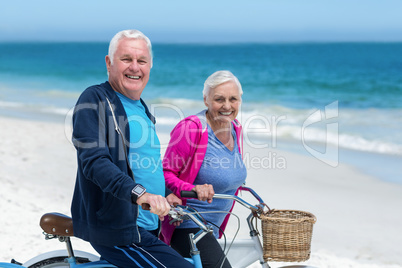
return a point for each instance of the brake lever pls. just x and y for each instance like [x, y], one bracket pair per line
[175, 214]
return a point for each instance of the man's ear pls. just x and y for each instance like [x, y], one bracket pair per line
[108, 62]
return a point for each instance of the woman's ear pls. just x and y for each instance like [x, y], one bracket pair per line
[205, 101]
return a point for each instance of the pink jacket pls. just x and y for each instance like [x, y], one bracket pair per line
[183, 159]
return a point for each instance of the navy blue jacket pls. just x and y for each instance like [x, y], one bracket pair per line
[101, 208]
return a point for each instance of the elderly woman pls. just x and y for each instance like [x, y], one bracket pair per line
[205, 155]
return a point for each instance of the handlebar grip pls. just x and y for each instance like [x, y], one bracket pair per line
[189, 194]
[145, 206]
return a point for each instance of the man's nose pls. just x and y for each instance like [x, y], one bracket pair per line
[134, 66]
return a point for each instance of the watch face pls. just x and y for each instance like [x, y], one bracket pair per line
[138, 190]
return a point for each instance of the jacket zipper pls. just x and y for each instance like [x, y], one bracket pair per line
[118, 130]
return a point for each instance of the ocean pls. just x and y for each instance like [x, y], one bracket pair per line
[308, 97]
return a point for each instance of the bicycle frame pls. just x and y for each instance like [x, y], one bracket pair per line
[176, 214]
[253, 246]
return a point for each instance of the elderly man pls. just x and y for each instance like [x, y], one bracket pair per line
[112, 131]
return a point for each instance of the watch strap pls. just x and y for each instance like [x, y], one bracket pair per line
[137, 192]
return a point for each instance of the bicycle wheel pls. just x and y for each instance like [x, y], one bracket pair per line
[59, 261]
[297, 266]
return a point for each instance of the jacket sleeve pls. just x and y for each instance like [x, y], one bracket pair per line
[91, 134]
[179, 155]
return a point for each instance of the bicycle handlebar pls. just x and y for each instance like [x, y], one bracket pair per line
[257, 208]
[189, 194]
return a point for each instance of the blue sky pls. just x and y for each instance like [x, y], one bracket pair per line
[203, 20]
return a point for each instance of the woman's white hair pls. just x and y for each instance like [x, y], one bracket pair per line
[134, 34]
[218, 78]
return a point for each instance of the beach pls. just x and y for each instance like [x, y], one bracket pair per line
[358, 215]
[321, 121]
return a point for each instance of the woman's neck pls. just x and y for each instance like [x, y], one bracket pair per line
[222, 130]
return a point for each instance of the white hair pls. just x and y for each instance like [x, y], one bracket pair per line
[134, 34]
[218, 78]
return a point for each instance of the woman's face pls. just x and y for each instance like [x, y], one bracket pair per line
[223, 102]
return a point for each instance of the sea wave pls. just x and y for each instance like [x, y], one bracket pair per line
[350, 129]
[59, 93]
[369, 130]
[11, 104]
[33, 110]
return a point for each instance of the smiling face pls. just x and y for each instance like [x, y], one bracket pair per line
[129, 72]
[223, 103]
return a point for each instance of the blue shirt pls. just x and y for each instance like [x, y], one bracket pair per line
[144, 156]
[225, 170]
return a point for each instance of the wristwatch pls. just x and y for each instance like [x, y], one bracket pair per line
[136, 192]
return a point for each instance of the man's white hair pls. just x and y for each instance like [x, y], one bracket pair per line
[134, 34]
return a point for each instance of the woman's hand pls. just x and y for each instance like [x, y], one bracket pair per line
[173, 200]
[205, 192]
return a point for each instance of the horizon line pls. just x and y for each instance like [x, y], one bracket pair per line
[211, 42]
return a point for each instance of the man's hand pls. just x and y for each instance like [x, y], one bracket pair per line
[158, 204]
[204, 192]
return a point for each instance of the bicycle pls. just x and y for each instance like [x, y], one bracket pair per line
[59, 226]
[244, 252]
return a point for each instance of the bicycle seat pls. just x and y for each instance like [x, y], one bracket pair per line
[57, 224]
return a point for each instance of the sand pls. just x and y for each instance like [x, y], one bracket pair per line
[358, 216]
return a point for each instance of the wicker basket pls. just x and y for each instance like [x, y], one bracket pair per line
[287, 235]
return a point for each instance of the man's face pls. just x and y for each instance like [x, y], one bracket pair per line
[129, 71]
